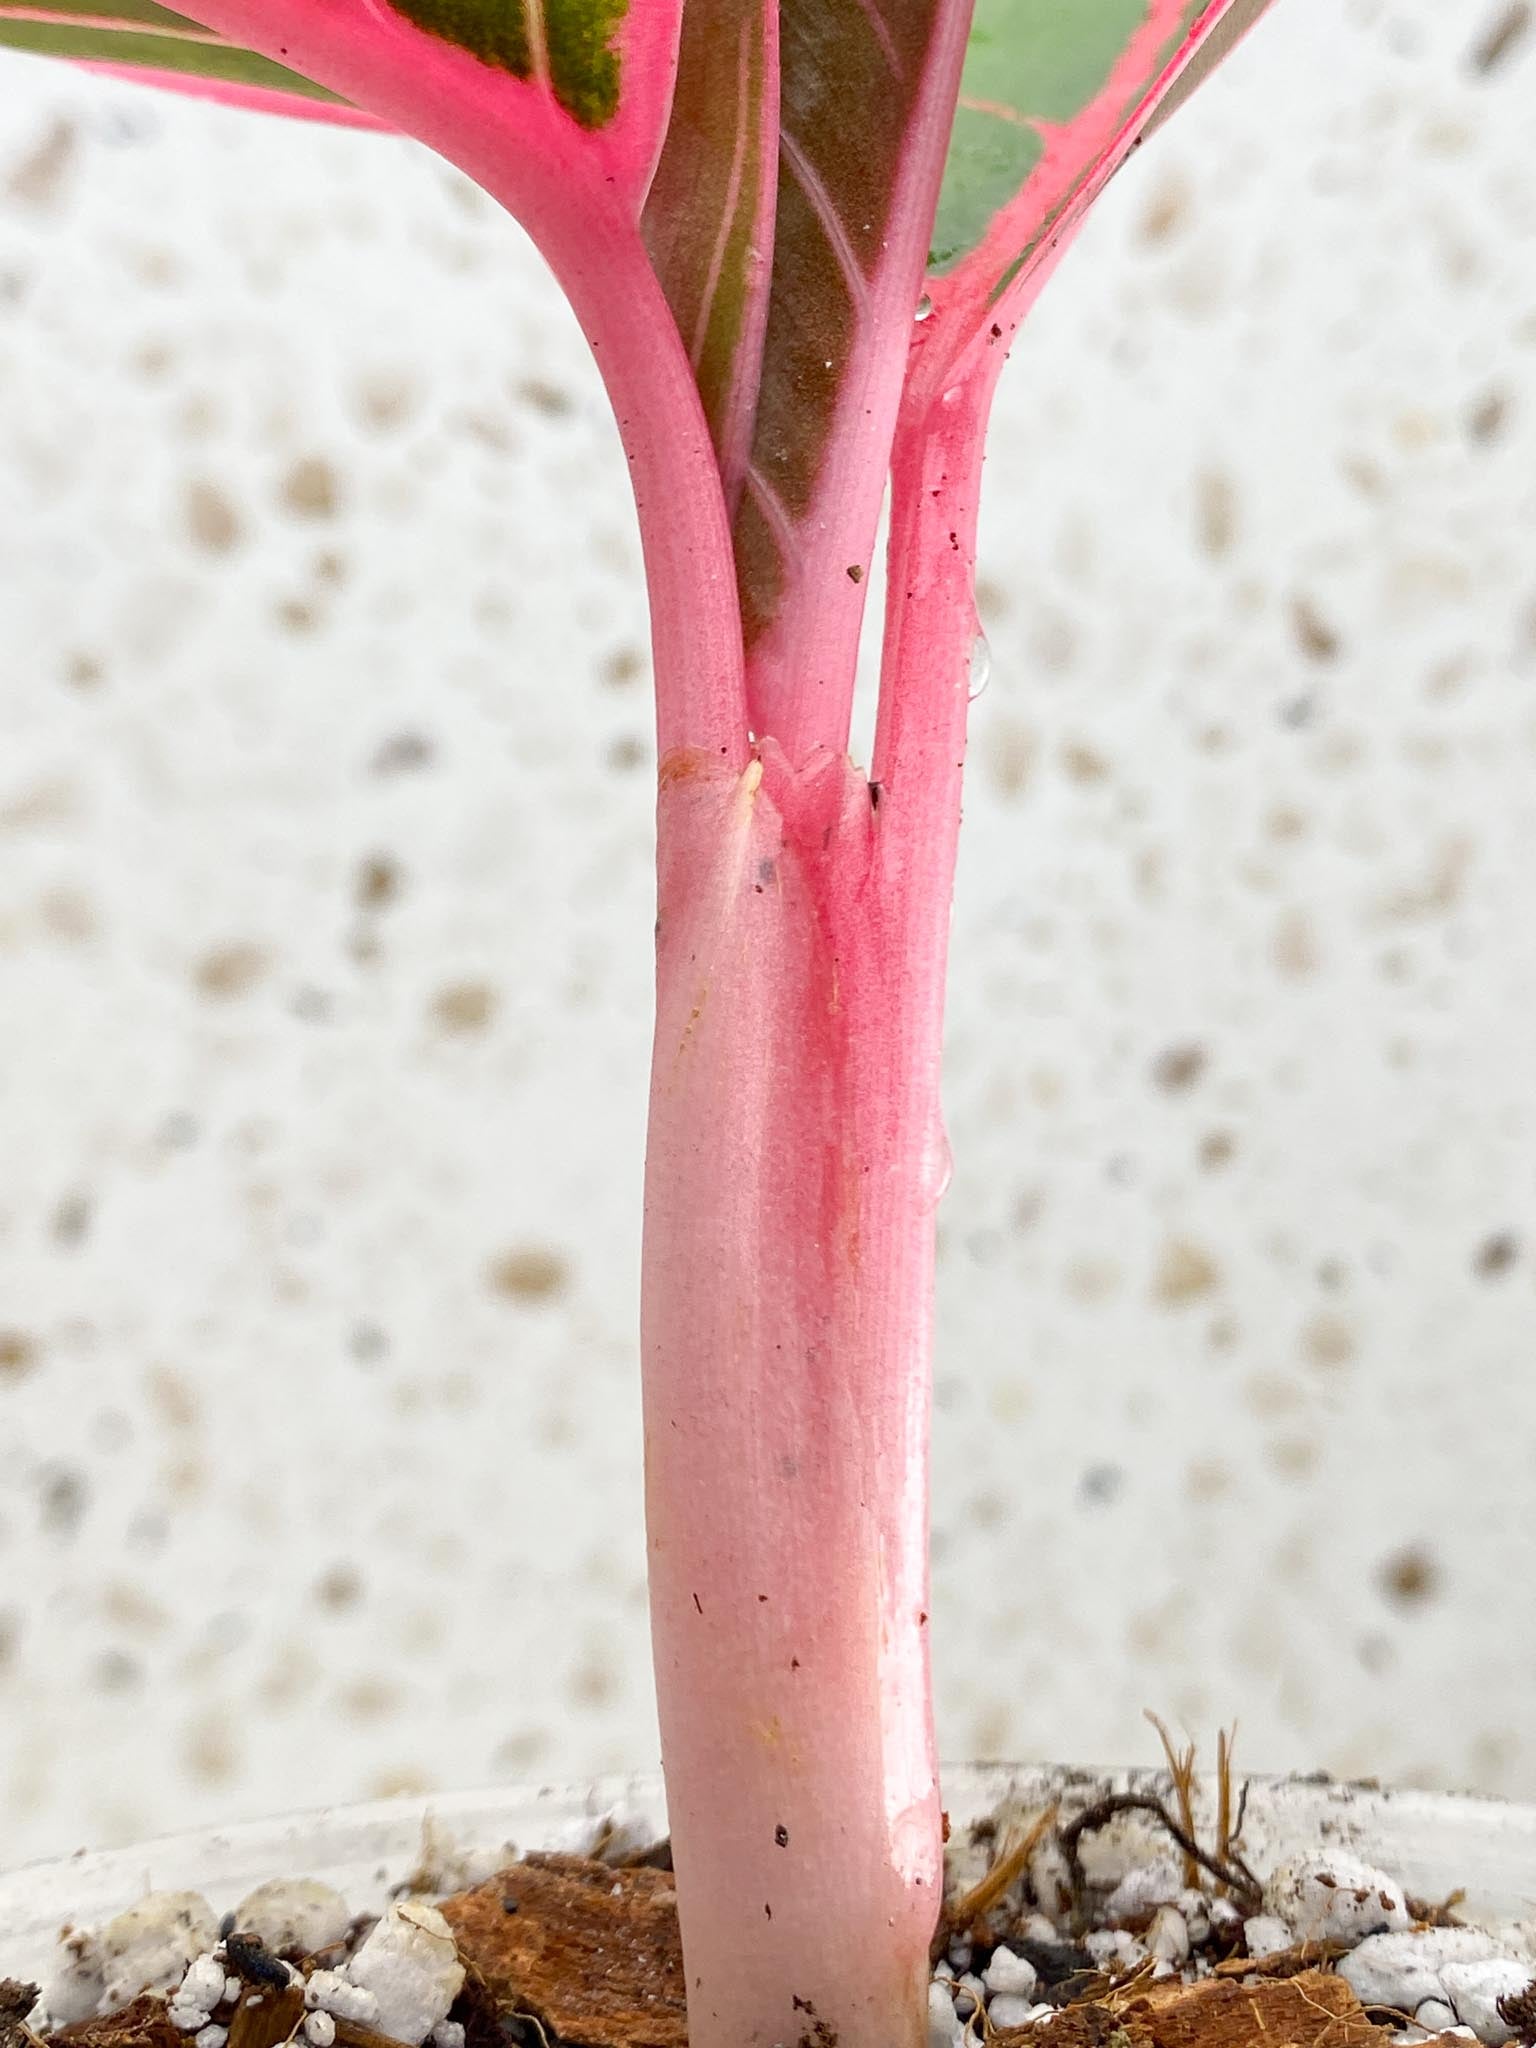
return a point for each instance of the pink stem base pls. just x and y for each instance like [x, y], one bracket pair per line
[791, 1183]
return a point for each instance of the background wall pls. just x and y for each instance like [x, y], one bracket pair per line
[324, 955]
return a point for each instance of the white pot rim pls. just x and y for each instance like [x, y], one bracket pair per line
[1431, 1842]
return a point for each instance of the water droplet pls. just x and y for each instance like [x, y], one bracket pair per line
[924, 307]
[981, 666]
[938, 1165]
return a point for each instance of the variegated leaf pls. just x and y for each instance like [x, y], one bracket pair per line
[1052, 99]
[137, 38]
[709, 217]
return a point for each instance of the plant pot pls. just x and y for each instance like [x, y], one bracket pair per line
[1433, 1843]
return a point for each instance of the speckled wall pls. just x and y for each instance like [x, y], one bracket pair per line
[324, 952]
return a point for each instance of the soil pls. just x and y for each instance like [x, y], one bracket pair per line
[566, 1951]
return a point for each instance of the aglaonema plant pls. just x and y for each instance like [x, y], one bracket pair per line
[799, 236]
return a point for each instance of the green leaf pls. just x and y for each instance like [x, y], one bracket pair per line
[140, 34]
[571, 42]
[1054, 96]
[1028, 63]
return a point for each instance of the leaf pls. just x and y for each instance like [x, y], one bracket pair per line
[1224, 37]
[866, 94]
[1052, 99]
[547, 72]
[849, 76]
[559, 72]
[708, 220]
[568, 44]
[137, 36]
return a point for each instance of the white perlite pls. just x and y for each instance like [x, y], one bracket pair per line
[968, 1994]
[1476, 1989]
[1265, 1935]
[1439, 1976]
[410, 1962]
[1167, 1937]
[332, 1992]
[319, 2029]
[1010, 1976]
[73, 1992]
[1143, 1889]
[204, 1986]
[1007, 2011]
[149, 1947]
[1335, 1898]
[1197, 1911]
[944, 2029]
[294, 1914]
[1112, 1947]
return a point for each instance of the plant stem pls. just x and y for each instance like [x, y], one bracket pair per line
[785, 1331]
[551, 184]
[931, 631]
[796, 1160]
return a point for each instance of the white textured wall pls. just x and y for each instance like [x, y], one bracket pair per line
[324, 936]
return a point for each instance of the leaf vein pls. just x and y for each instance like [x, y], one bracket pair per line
[107, 24]
[828, 219]
[741, 143]
[880, 28]
[777, 520]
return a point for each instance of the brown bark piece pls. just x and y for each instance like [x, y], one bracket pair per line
[16, 2001]
[350, 2035]
[1313, 2010]
[1078, 2026]
[1285, 1962]
[143, 2024]
[265, 2016]
[591, 1951]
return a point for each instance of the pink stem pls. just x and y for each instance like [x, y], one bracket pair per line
[690, 571]
[553, 187]
[796, 1160]
[785, 1342]
[931, 630]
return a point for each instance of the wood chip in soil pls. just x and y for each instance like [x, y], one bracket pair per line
[1313, 2010]
[265, 2016]
[1285, 1962]
[143, 2024]
[592, 1952]
[16, 2001]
